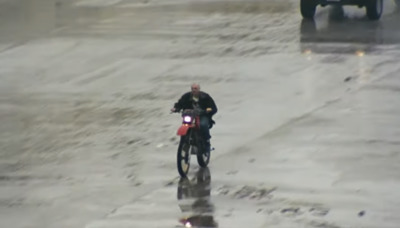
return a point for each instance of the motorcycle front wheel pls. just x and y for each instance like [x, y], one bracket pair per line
[183, 156]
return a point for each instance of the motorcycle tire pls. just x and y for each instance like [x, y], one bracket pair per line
[203, 157]
[183, 156]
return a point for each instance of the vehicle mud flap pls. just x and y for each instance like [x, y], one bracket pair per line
[183, 130]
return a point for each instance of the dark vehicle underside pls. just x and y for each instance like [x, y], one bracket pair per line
[373, 8]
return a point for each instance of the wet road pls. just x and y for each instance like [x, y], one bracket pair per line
[307, 134]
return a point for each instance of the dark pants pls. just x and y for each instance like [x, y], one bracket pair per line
[205, 127]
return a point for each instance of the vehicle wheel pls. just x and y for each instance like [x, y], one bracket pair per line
[374, 9]
[203, 157]
[307, 8]
[183, 156]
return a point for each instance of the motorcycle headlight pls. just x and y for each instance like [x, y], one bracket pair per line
[187, 119]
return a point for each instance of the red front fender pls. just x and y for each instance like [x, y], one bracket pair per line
[183, 130]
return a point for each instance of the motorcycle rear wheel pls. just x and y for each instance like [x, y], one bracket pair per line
[203, 157]
[183, 156]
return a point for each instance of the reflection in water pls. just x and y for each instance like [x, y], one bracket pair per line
[363, 74]
[336, 13]
[194, 200]
[246, 7]
[351, 33]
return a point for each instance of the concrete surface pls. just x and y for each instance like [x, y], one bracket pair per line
[307, 134]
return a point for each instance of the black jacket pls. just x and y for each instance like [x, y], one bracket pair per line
[205, 101]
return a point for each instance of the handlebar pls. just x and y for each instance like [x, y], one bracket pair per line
[197, 111]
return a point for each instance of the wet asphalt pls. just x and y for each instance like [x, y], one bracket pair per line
[306, 136]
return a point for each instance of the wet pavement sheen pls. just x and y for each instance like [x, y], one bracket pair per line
[306, 136]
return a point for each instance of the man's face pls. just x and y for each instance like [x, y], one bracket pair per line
[195, 90]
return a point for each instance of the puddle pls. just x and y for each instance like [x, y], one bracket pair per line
[194, 199]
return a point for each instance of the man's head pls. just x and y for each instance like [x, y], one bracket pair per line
[195, 89]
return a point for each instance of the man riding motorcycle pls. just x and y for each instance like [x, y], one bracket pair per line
[202, 100]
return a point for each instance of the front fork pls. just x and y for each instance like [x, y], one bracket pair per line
[194, 141]
[189, 142]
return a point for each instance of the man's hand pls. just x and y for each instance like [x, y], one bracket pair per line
[173, 109]
[208, 110]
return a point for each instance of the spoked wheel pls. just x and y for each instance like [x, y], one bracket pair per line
[203, 157]
[183, 156]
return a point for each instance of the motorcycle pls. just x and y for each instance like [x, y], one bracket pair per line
[191, 141]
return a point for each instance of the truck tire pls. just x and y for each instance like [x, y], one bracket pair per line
[307, 8]
[374, 9]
